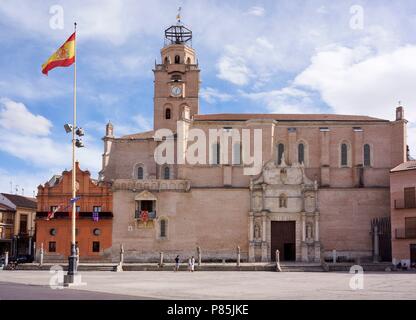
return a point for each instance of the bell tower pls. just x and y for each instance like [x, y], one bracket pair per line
[176, 78]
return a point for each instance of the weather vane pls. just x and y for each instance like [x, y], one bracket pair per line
[178, 16]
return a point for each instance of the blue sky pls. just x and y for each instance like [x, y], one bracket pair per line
[255, 56]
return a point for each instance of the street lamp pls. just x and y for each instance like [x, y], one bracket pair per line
[77, 133]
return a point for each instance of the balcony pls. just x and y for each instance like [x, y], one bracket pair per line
[401, 204]
[158, 185]
[405, 233]
[138, 214]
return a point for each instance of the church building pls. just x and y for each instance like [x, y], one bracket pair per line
[324, 178]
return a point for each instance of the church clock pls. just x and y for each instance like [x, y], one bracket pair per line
[176, 91]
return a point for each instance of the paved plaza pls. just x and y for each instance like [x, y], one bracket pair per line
[210, 285]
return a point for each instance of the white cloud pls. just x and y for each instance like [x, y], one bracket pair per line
[27, 136]
[233, 69]
[286, 100]
[15, 116]
[212, 95]
[354, 81]
[143, 123]
[256, 11]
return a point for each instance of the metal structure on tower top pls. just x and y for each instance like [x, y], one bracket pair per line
[178, 34]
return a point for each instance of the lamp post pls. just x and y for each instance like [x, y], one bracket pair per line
[71, 277]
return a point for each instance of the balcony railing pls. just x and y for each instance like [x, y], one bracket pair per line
[406, 233]
[157, 185]
[151, 215]
[401, 204]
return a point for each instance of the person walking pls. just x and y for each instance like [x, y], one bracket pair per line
[177, 263]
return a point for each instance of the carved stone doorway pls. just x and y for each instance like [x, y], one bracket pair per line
[283, 238]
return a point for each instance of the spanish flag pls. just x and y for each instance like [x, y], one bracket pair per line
[63, 57]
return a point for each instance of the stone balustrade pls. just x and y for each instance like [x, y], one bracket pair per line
[151, 185]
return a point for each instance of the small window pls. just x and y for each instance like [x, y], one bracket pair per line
[344, 154]
[176, 77]
[166, 173]
[78, 209]
[140, 173]
[410, 197]
[163, 228]
[367, 155]
[280, 152]
[188, 61]
[177, 59]
[301, 153]
[52, 246]
[96, 232]
[166, 60]
[52, 232]
[167, 113]
[96, 246]
[237, 150]
[96, 208]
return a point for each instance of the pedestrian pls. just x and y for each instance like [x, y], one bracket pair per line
[177, 263]
[192, 264]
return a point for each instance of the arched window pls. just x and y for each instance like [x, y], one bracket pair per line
[301, 153]
[280, 152]
[367, 155]
[167, 113]
[163, 228]
[176, 77]
[166, 60]
[177, 59]
[140, 173]
[166, 173]
[344, 154]
[188, 61]
[282, 201]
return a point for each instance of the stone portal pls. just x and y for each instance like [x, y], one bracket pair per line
[284, 214]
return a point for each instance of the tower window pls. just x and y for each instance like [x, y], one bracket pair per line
[177, 59]
[166, 60]
[367, 155]
[176, 77]
[344, 154]
[140, 173]
[188, 61]
[166, 173]
[280, 152]
[301, 153]
[167, 113]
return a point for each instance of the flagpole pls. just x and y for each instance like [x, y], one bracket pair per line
[72, 266]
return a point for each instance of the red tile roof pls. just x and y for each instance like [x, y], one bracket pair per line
[408, 165]
[141, 135]
[21, 201]
[282, 117]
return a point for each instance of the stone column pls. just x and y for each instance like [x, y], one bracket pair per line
[41, 254]
[77, 252]
[264, 238]
[250, 238]
[161, 259]
[376, 244]
[303, 219]
[6, 258]
[238, 256]
[316, 227]
[198, 250]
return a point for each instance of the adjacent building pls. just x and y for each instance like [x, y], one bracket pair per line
[403, 213]
[17, 224]
[324, 178]
[94, 217]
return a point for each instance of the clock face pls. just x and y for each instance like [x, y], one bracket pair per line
[176, 91]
